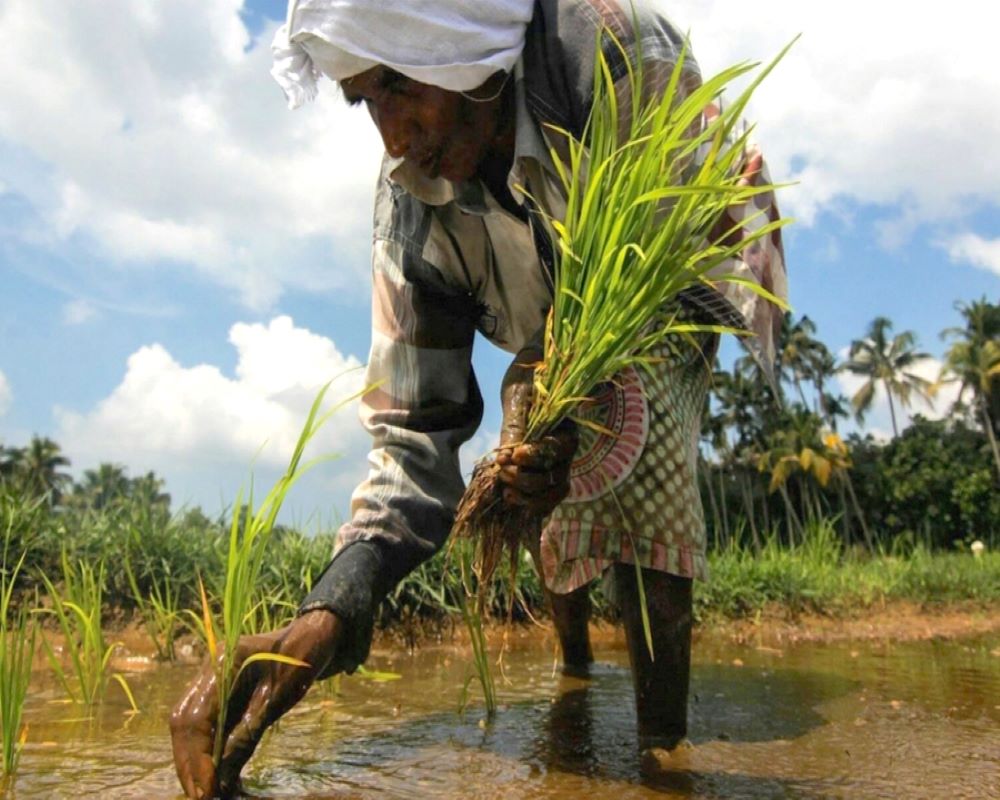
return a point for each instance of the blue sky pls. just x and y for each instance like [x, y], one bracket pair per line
[183, 261]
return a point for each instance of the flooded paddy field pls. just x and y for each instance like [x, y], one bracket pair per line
[841, 719]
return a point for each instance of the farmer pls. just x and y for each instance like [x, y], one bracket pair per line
[462, 94]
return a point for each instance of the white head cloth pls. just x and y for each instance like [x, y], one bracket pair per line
[454, 44]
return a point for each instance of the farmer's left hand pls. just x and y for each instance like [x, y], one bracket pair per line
[535, 474]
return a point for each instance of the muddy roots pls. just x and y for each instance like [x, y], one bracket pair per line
[493, 525]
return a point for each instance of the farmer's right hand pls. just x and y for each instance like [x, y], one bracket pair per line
[535, 474]
[264, 691]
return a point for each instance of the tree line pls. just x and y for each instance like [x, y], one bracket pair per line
[772, 455]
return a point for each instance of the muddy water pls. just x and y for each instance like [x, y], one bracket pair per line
[846, 720]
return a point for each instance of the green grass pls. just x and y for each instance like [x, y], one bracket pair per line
[818, 575]
[159, 605]
[17, 651]
[473, 607]
[640, 224]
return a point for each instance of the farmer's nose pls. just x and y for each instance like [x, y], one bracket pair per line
[397, 133]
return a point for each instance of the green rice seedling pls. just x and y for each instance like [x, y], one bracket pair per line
[271, 610]
[640, 227]
[249, 537]
[78, 613]
[159, 609]
[377, 676]
[17, 651]
[473, 604]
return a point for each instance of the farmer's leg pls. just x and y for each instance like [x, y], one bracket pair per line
[571, 616]
[661, 683]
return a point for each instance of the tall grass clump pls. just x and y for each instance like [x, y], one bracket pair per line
[646, 191]
[249, 537]
[77, 609]
[17, 651]
[159, 607]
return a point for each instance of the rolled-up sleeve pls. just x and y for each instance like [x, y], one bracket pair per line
[423, 404]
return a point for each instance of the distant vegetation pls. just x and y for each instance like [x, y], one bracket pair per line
[796, 514]
[773, 458]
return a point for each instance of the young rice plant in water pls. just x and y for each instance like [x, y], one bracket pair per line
[249, 536]
[160, 608]
[77, 610]
[17, 650]
[472, 604]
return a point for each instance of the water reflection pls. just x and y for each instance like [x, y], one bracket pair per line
[738, 704]
[851, 721]
[579, 736]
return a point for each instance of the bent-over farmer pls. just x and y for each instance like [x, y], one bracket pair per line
[462, 94]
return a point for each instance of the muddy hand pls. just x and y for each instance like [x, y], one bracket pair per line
[264, 692]
[535, 474]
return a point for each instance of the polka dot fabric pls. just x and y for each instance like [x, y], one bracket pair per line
[636, 496]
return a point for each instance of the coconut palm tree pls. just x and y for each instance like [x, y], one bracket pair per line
[800, 352]
[37, 469]
[889, 362]
[102, 487]
[148, 491]
[832, 408]
[748, 408]
[9, 458]
[973, 360]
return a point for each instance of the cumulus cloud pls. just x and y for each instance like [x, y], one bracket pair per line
[6, 395]
[875, 103]
[162, 138]
[975, 250]
[199, 427]
[878, 420]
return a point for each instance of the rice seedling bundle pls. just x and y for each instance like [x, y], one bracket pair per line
[645, 196]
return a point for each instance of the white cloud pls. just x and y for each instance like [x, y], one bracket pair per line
[875, 103]
[201, 429]
[6, 395]
[478, 446]
[174, 144]
[878, 420]
[975, 250]
[79, 311]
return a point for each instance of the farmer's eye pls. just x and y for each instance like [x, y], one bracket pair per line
[392, 81]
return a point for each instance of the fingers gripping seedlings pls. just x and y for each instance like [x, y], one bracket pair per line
[235, 661]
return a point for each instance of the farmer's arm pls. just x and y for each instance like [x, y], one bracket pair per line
[425, 405]
[535, 474]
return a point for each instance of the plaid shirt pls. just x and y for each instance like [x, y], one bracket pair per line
[448, 261]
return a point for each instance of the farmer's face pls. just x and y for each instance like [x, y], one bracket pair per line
[442, 133]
